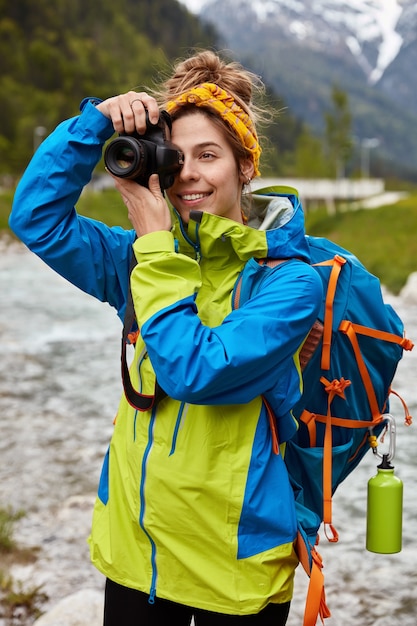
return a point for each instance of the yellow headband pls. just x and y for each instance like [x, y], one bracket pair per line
[214, 97]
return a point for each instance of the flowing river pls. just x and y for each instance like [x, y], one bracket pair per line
[59, 390]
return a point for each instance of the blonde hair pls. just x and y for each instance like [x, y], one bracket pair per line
[246, 88]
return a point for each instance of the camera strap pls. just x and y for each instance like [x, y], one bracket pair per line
[141, 402]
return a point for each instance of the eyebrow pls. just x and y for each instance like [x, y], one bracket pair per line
[207, 144]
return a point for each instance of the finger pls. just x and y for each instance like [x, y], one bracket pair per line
[128, 111]
[123, 117]
[120, 113]
[111, 109]
[148, 103]
[125, 187]
[134, 116]
[154, 186]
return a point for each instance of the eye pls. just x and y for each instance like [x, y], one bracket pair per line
[207, 155]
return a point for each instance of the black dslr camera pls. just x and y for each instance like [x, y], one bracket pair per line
[136, 157]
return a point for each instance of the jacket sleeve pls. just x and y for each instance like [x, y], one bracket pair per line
[89, 254]
[249, 354]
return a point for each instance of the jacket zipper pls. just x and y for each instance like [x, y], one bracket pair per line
[180, 416]
[196, 245]
[148, 449]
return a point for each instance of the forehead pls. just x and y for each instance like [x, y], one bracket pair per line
[195, 127]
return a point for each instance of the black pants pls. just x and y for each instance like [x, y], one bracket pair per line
[128, 607]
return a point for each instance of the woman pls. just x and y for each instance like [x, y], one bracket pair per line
[195, 516]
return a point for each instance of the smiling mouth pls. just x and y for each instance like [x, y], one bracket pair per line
[194, 196]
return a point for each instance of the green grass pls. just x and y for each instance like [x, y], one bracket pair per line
[7, 521]
[105, 206]
[6, 198]
[384, 239]
[16, 601]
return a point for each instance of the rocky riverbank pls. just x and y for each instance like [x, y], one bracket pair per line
[70, 589]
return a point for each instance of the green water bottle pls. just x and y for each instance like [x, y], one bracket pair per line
[385, 510]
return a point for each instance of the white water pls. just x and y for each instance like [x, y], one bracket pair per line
[59, 390]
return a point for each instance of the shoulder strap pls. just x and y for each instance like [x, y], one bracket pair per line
[139, 401]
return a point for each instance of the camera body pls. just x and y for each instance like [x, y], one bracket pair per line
[136, 156]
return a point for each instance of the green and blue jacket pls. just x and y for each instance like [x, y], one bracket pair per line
[194, 503]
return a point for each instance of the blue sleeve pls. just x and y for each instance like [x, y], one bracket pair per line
[89, 254]
[249, 354]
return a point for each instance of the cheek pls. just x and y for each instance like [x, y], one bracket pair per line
[228, 175]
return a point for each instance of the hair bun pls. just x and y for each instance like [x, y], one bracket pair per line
[208, 67]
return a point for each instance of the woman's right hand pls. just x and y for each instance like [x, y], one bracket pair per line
[147, 207]
[128, 111]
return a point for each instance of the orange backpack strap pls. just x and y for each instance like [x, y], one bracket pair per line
[405, 343]
[333, 388]
[336, 264]
[316, 597]
[352, 330]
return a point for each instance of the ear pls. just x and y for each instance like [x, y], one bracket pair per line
[246, 171]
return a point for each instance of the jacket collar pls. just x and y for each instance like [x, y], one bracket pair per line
[275, 229]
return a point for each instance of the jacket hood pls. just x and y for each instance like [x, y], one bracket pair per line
[275, 229]
[278, 212]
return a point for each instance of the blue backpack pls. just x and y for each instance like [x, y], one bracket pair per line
[348, 363]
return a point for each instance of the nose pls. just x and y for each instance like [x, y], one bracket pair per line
[189, 171]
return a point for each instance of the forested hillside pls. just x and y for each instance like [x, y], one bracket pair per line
[52, 54]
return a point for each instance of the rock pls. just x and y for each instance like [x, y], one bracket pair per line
[409, 291]
[84, 608]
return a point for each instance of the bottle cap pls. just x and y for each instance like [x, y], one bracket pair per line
[385, 464]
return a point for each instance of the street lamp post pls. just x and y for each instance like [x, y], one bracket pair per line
[39, 133]
[367, 145]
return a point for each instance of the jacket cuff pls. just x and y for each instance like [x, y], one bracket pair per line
[93, 121]
[94, 101]
[159, 241]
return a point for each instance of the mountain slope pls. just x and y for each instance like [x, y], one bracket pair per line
[366, 47]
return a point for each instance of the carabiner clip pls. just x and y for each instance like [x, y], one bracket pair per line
[391, 429]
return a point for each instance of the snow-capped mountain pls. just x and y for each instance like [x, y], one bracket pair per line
[359, 24]
[303, 47]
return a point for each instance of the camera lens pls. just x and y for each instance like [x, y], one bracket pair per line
[125, 157]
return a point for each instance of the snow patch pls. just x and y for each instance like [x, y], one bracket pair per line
[298, 29]
[367, 21]
[391, 41]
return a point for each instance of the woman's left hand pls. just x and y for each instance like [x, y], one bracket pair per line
[147, 208]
